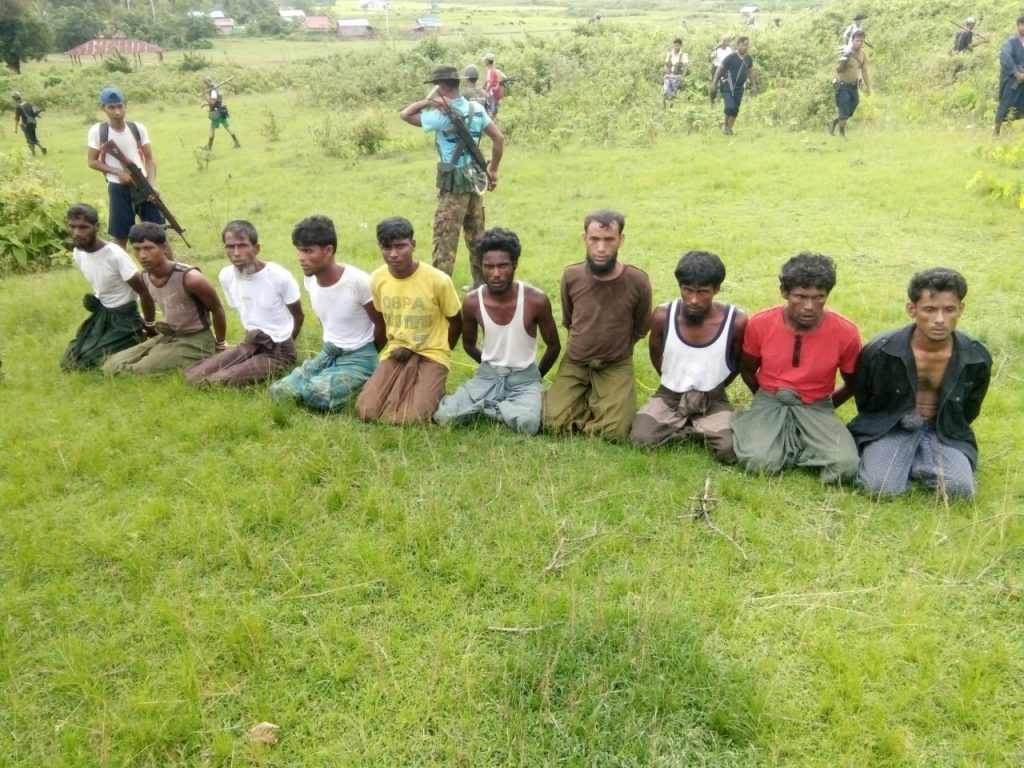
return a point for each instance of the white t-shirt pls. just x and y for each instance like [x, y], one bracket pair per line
[125, 142]
[720, 55]
[261, 299]
[108, 271]
[340, 308]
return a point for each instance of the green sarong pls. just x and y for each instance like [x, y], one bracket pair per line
[782, 431]
[103, 333]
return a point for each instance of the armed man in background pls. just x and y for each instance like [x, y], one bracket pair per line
[25, 116]
[462, 173]
[132, 140]
[851, 69]
[1011, 75]
[218, 113]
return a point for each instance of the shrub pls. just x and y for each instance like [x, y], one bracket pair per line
[33, 226]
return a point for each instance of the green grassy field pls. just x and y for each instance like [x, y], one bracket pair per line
[178, 565]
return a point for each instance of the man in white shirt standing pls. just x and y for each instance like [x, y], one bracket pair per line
[268, 301]
[353, 328]
[114, 322]
[133, 141]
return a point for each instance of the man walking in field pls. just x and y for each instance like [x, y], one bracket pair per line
[353, 329]
[494, 85]
[217, 112]
[717, 55]
[677, 66]
[268, 301]
[507, 386]
[606, 305]
[1011, 75]
[188, 303]
[473, 92]
[114, 323]
[133, 141]
[918, 389]
[27, 117]
[790, 357]
[851, 69]
[695, 345]
[732, 74]
[423, 324]
[460, 183]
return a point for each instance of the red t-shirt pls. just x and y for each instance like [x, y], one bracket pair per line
[835, 344]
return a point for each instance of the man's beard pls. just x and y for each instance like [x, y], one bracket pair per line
[602, 269]
[693, 320]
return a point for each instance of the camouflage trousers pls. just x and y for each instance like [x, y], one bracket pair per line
[454, 214]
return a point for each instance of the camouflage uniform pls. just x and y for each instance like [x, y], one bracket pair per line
[457, 212]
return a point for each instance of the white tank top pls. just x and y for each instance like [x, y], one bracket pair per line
[507, 346]
[686, 367]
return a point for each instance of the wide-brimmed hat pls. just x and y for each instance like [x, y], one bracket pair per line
[860, 17]
[443, 72]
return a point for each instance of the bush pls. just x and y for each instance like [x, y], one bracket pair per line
[33, 208]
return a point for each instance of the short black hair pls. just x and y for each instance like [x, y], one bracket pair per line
[241, 228]
[677, 40]
[700, 268]
[1020, 20]
[315, 230]
[83, 211]
[857, 33]
[498, 239]
[605, 217]
[808, 270]
[743, 39]
[394, 228]
[147, 230]
[937, 280]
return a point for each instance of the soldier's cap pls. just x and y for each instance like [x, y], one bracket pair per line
[488, 57]
[970, 21]
[15, 95]
[443, 72]
[111, 95]
[860, 17]
[207, 79]
[471, 72]
[858, 33]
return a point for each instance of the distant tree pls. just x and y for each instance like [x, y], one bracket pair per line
[74, 25]
[23, 34]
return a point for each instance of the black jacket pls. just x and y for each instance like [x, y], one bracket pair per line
[885, 388]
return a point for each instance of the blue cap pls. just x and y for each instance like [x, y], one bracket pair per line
[111, 95]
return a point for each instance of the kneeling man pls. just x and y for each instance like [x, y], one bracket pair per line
[918, 389]
[267, 298]
[114, 323]
[187, 301]
[606, 305]
[353, 328]
[790, 358]
[507, 386]
[423, 324]
[695, 347]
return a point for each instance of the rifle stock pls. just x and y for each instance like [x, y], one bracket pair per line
[141, 183]
[459, 124]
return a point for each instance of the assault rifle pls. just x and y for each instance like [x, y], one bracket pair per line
[143, 188]
[462, 131]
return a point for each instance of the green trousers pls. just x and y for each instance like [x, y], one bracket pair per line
[162, 353]
[594, 399]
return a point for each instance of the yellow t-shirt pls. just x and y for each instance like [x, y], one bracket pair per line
[416, 311]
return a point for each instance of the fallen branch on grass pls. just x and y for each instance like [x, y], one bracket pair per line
[700, 509]
[560, 554]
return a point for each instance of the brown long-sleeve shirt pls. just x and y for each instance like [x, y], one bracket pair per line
[605, 318]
